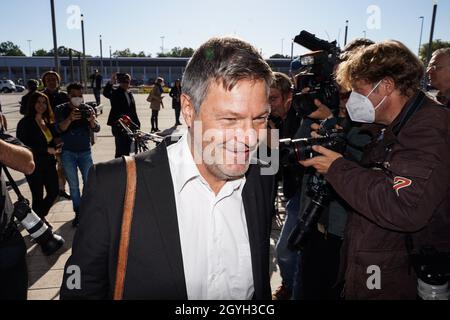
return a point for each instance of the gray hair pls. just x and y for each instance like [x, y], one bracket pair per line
[225, 59]
[443, 51]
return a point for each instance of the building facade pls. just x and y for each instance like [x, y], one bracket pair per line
[142, 70]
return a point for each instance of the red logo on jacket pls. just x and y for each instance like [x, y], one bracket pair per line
[400, 183]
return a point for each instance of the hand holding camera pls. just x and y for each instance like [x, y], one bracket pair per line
[82, 113]
[114, 78]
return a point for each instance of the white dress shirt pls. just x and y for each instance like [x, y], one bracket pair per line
[213, 232]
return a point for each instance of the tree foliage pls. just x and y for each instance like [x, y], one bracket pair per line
[178, 52]
[8, 48]
[437, 44]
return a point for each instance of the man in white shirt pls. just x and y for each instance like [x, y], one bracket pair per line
[202, 215]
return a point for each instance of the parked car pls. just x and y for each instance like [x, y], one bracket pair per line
[7, 86]
[20, 88]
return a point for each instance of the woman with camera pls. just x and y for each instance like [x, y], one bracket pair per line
[36, 130]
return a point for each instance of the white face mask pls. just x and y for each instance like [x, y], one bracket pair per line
[360, 108]
[76, 101]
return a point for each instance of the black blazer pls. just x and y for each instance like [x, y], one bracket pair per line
[119, 105]
[175, 93]
[155, 266]
[31, 135]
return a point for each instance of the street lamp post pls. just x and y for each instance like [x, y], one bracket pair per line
[29, 47]
[84, 74]
[162, 44]
[292, 49]
[282, 46]
[421, 33]
[72, 77]
[346, 32]
[55, 42]
[430, 44]
[101, 56]
[110, 59]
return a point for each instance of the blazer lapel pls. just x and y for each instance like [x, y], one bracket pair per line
[250, 195]
[158, 182]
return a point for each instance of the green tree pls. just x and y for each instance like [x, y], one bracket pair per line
[437, 44]
[127, 53]
[62, 52]
[10, 49]
[41, 53]
[178, 52]
[279, 56]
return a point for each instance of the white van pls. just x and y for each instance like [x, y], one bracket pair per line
[7, 86]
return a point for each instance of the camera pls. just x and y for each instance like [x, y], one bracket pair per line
[316, 75]
[85, 112]
[38, 230]
[318, 189]
[122, 77]
[293, 151]
[433, 273]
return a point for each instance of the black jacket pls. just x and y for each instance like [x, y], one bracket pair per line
[119, 105]
[24, 103]
[31, 135]
[175, 94]
[56, 98]
[155, 265]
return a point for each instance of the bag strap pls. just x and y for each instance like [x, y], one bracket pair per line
[127, 218]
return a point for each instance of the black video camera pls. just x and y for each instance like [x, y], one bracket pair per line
[316, 75]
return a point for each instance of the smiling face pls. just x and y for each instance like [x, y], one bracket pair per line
[41, 106]
[229, 123]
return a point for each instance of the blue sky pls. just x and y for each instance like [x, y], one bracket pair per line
[140, 24]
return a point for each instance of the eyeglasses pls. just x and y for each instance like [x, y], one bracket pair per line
[434, 68]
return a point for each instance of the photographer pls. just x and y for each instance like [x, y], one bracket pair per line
[122, 103]
[399, 191]
[75, 121]
[320, 255]
[284, 118]
[13, 267]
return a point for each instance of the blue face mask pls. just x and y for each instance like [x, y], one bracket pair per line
[360, 108]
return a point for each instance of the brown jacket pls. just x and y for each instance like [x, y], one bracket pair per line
[409, 194]
[155, 98]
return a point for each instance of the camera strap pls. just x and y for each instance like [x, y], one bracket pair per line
[13, 183]
[5, 225]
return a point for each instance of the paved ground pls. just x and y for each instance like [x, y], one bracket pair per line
[45, 273]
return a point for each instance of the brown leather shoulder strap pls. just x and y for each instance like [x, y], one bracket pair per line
[127, 218]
